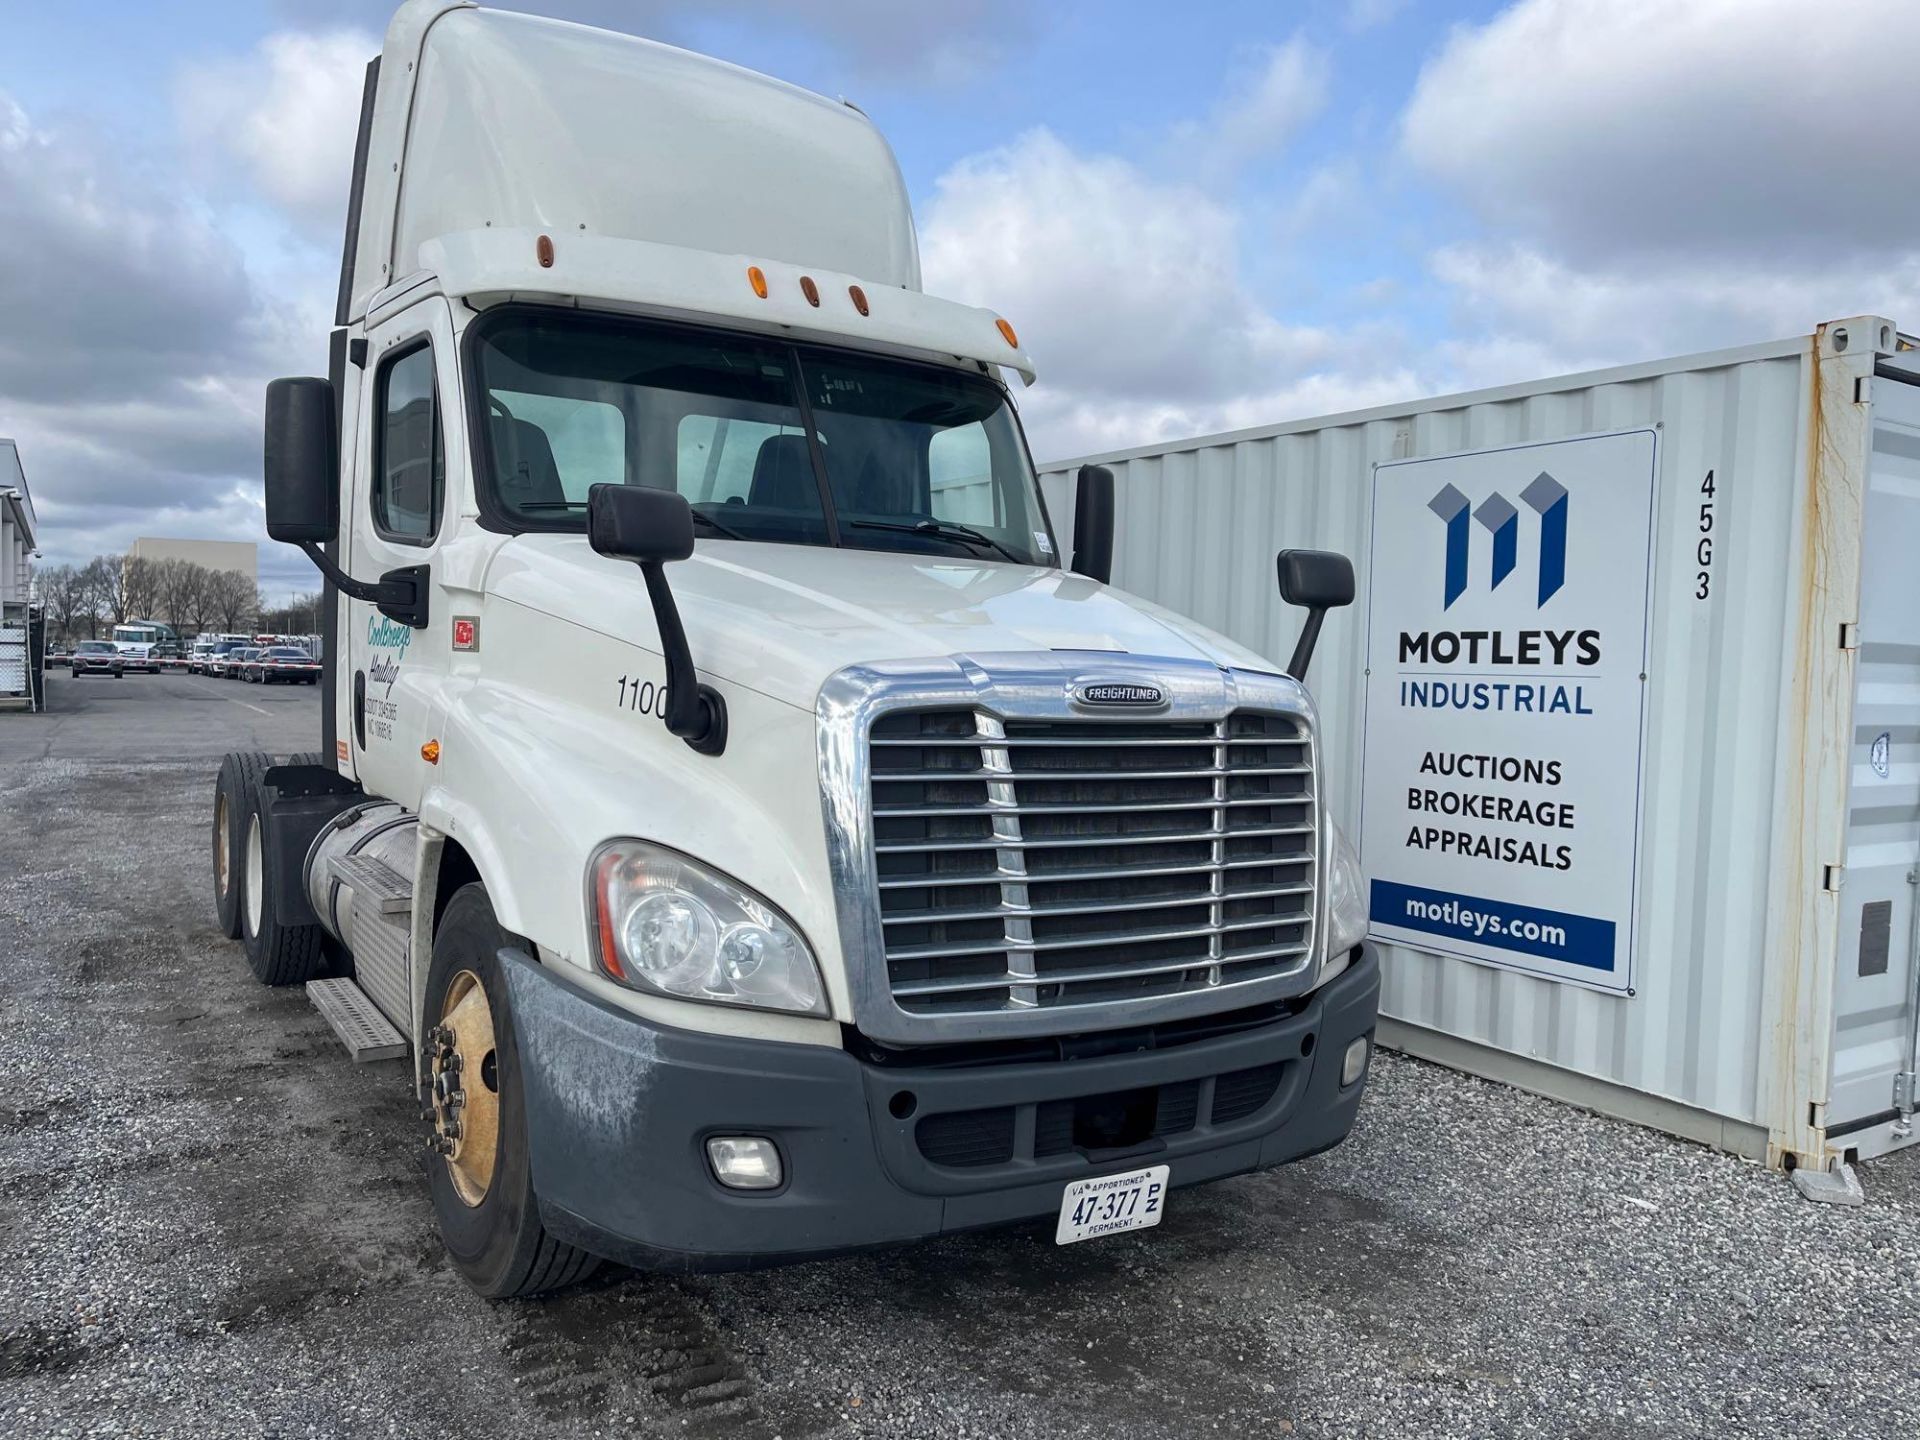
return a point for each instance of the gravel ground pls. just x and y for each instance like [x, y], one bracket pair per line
[212, 1224]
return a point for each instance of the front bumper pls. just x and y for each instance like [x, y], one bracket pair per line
[619, 1111]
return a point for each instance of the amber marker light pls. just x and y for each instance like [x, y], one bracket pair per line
[859, 298]
[603, 918]
[1006, 333]
[543, 251]
[810, 290]
[757, 278]
[430, 752]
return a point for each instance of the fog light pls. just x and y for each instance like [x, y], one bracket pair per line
[745, 1162]
[1352, 1065]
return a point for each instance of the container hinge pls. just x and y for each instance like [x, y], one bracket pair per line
[1863, 389]
[1833, 877]
[1904, 1092]
[1850, 635]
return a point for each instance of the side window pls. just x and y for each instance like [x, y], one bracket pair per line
[960, 474]
[409, 468]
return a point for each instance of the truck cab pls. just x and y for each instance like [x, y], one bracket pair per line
[756, 838]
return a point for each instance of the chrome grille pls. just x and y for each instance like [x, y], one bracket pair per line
[1049, 863]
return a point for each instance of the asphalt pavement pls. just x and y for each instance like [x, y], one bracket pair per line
[212, 1223]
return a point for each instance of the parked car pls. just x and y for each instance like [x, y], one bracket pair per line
[58, 657]
[282, 662]
[197, 659]
[98, 657]
[223, 658]
[238, 660]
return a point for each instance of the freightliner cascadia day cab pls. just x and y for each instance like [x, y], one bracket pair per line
[865, 875]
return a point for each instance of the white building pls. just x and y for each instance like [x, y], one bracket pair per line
[241, 556]
[18, 534]
[19, 539]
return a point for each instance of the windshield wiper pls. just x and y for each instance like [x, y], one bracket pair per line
[943, 530]
[700, 517]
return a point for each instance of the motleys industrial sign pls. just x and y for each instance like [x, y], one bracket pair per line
[1505, 718]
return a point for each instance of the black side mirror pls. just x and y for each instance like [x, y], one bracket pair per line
[1321, 581]
[303, 495]
[302, 462]
[1093, 524]
[632, 522]
[651, 527]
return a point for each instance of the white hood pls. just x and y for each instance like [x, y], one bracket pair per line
[780, 619]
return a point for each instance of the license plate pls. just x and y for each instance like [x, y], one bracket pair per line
[1112, 1203]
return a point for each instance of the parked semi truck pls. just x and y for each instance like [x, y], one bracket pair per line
[758, 843]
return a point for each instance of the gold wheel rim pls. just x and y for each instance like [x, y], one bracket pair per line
[220, 879]
[466, 1093]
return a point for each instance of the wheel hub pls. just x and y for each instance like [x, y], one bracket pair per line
[464, 1095]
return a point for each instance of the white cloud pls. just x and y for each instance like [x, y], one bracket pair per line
[1604, 128]
[135, 347]
[1538, 310]
[890, 40]
[288, 113]
[1263, 108]
[1367, 14]
[1128, 291]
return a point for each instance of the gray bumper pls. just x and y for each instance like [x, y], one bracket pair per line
[619, 1111]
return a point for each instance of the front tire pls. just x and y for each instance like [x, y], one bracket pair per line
[480, 1173]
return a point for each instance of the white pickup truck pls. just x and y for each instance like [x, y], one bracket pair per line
[872, 877]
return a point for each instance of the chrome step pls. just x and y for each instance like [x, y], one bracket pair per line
[357, 1021]
[375, 882]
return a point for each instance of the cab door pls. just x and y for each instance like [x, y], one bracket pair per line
[407, 455]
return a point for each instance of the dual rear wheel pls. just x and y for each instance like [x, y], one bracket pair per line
[479, 1172]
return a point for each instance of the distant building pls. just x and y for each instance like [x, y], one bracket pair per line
[242, 556]
[19, 534]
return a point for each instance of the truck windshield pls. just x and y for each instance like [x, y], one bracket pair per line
[899, 456]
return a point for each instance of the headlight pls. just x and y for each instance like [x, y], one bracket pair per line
[664, 923]
[1346, 898]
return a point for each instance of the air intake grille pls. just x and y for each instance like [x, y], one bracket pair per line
[1052, 863]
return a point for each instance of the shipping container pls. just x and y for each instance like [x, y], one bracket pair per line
[1625, 717]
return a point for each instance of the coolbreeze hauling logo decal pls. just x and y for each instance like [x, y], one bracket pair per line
[1506, 652]
[387, 642]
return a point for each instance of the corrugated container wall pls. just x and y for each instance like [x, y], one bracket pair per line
[1701, 1046]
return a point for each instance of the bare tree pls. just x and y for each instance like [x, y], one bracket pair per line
[63, 595]
[235, 598]
[176, 583]
[106, 582]
[140, 587]
[199, 600]
[299, 616]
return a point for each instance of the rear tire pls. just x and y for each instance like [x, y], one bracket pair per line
[279, 954]
[496, 1241]
[240, 774]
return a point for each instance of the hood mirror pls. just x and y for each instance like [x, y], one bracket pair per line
[651, 527]
[1318, 580]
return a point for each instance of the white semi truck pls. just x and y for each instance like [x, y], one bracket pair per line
[871, 876]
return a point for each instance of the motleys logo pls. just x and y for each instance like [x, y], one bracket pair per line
[1479, 924]
[1545, 495]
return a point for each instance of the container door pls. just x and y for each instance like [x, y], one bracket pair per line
[1874, 1013]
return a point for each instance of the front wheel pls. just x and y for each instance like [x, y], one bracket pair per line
[480, 1173]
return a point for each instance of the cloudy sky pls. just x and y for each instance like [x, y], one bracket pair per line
[1200, 216]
